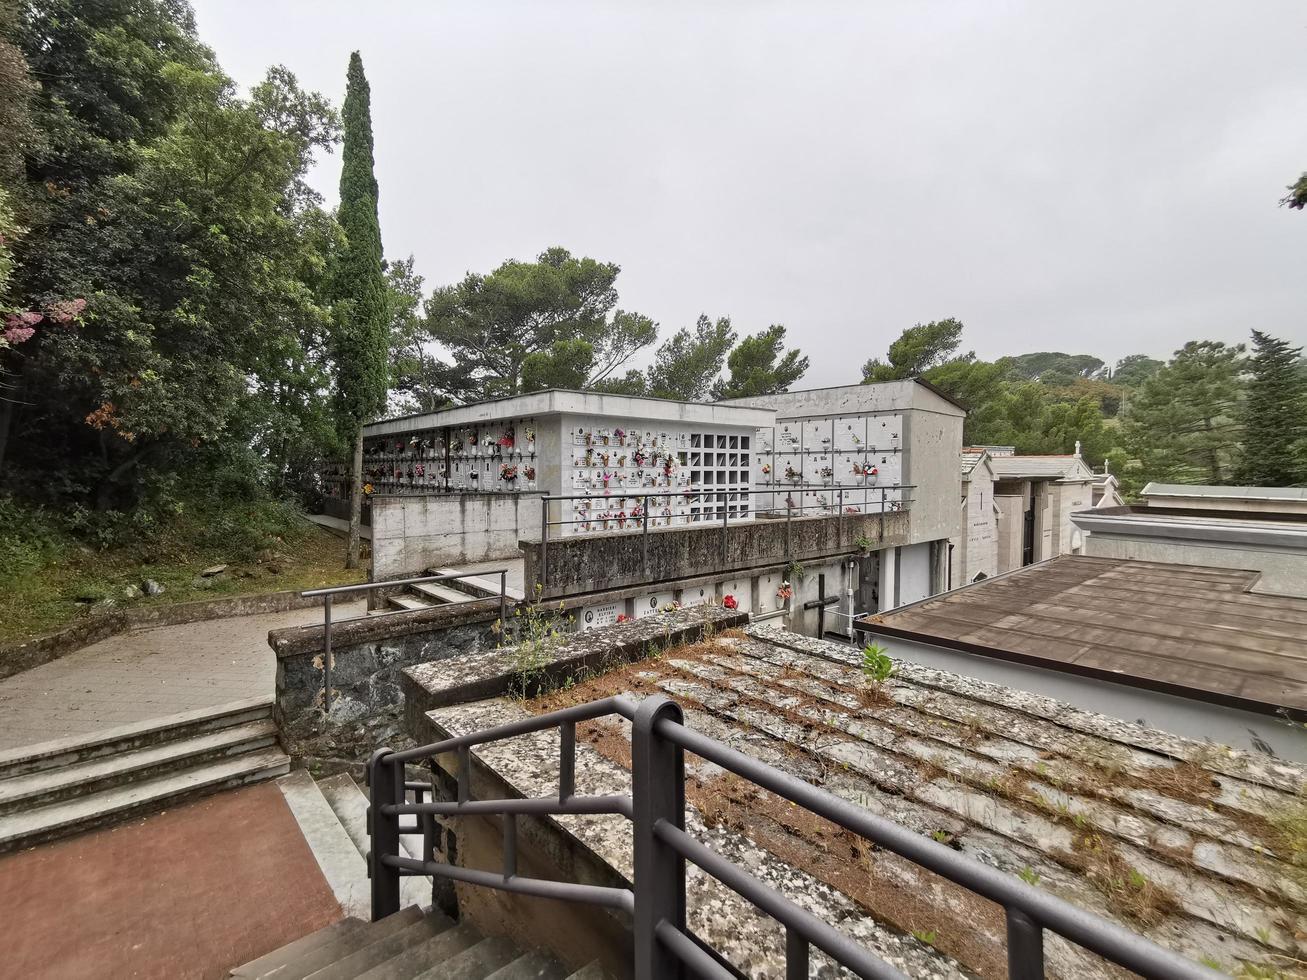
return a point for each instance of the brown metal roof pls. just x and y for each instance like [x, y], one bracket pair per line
[1185, 629]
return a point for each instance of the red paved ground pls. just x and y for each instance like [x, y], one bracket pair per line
[187, 893]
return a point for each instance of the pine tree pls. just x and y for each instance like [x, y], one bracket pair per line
[361, 311]
[1274, 416]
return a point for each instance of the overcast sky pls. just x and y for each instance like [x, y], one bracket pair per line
[1090, 177]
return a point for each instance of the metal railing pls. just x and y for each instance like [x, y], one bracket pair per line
[664, 946]
[717, 508]
[328, 594]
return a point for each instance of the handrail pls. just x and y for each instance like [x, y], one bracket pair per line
[656, 807]
[329, 593]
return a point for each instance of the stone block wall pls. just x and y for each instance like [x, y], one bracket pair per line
[610, 561]
[368, 656]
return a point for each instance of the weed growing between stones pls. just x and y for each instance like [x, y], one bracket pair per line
[539, 630]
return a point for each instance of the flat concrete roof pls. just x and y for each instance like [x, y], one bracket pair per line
[1187, 630]
[1224, 493]
[1070, 468]
[558, 401]
[860, 399]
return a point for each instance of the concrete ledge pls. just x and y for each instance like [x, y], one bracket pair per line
[479, 676]
[295, 641]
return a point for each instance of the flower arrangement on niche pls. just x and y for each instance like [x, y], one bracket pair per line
[639, 457]
[623, 618]
[508, 472]
[506, 440]
[730, 602]
[785, 593]
[827, 473]
[766, 469]
[791, 473]
[530, 473]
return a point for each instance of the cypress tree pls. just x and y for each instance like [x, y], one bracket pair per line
[361, 309]
[1275, 416]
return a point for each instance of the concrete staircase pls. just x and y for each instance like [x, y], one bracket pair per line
[65, 787]
[332, 815]
[424, 595]
[409, 944]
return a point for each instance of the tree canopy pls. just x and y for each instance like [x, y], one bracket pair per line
[760, 365]
[1274, 416]
[559, 313]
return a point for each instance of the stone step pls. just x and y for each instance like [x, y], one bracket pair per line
[300, 947]
[344, 869]
[52, 785]
[480, 587]
[440, 593]
[476, 962]
[325, 955]
[39, 824]
[110, 742]
[530, 966]
[416, 959]
[407, 602]
[350, 805]
[375, 954]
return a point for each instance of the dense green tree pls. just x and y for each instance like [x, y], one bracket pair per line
[1274, 416]
[1134, 369]
[917, 350]
[1183, 425]
[760, 365]
[492, 324]
[179, 212]
[363, 307]
[1054, 367]
[419, 380]
[687, 363]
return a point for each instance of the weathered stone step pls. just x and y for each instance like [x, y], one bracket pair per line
[47, 786]
[440, 593]
[269, 962]
[407, 602]
[480, 587]
[753, 942]
[1265, 771]
[1155, 822]
[350, 805]
[329, 953]
[1202, 898]
[38, 824]
[416, 959]
[375, 954]
[773, 740]
[975, 715]
[475, 963]
[339, 860]
[529, 966]
[125, 738]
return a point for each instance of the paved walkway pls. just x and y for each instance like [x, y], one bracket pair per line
[147, 674]
[191, 892]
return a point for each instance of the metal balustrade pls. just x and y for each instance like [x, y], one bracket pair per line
[664, 946]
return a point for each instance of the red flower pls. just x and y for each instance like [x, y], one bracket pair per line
[729, 602]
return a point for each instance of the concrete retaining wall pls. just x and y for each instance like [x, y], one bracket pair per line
[593, 563]
[413, 533]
